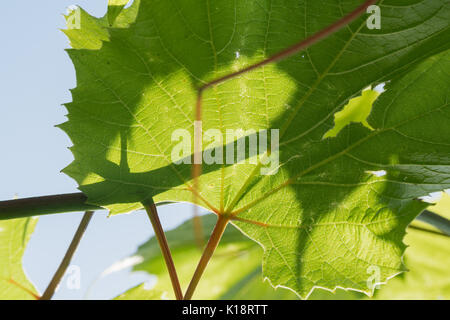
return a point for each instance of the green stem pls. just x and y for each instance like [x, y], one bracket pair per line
[50, 291]
[414, 227]
[436, 221]
[198, 229]
[213, 242]
[36, 206]
[160, 236]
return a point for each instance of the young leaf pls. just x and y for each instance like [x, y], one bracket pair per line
[14, 237]
[323, 218]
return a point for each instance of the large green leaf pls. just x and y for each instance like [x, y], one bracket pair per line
[14, 237]
[323, 219]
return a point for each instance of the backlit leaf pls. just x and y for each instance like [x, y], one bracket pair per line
[323, 217]
[14, 237]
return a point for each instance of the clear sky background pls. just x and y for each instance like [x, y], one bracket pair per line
[35, 77]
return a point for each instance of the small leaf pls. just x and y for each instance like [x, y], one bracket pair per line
[14, 237]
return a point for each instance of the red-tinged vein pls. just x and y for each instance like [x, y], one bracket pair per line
[18, 285]
[300, 103]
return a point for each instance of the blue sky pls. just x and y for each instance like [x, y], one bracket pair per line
[35, 77]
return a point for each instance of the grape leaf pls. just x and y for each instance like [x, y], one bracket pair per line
[14, 236]
[323, 218]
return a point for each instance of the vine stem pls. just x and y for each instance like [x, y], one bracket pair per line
[436, 221]
[213, 242]
[50, 291]
[36, 206]
[414, 227]
[74, 202]
[198, 229]
[152, 213]
[52, 204]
